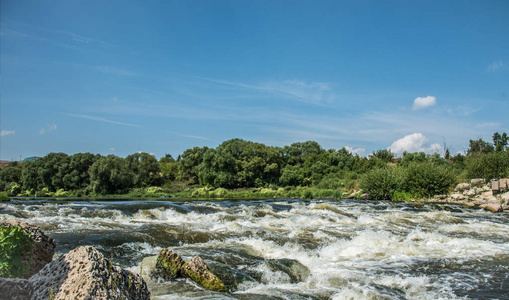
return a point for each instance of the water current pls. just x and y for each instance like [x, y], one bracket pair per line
[293, 249]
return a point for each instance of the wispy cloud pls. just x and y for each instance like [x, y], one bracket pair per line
[497, 66]
[7, 132]
[57, 37]
[423, 102]
[318, 93]
[100, 119]
[196, 137]
[50, 127]
[113, 70]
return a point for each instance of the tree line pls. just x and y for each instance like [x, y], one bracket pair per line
[237, 163]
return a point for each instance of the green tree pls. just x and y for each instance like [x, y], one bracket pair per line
[500, 141]
[189, 163]
[479, 147]
[384, 155]
[76, 176]
[145, 168]
[46, 172]
[110, 175]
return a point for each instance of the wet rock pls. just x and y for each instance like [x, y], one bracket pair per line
[462, 186]
[293, 268]
[84, 273]
[197, 270]
[229, 276]
[43, 247]
[169, 264]
[16, 289]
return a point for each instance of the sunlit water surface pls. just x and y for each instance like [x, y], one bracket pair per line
[352, 249]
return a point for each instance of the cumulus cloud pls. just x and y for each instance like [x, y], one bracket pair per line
[48, 128]
[7, 132]
[359, 151]
[415, 142]
[423, 102]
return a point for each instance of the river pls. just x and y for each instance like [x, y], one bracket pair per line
[293, 249]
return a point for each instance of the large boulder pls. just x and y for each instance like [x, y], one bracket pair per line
[42, 246]
[197, 270]
[84, 273]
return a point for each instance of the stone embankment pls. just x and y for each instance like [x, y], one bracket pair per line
[476, 193]
[83, 273]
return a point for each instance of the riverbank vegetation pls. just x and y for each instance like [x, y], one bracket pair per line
[245, 169]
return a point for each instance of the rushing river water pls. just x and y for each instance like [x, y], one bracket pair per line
[294, 249]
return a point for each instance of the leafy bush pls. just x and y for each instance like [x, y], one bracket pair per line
[383, 183]
[307, 194]
[14, 244]
[218, 193]
[428, 179]
[488, 166]
[4, 197]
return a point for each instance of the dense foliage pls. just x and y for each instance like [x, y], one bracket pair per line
[14, 244]
[240, 164]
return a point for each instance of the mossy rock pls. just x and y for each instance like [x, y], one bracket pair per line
[169, 264]
[197, 270]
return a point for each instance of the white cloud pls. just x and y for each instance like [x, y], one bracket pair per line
[415, 142]
[359, 151]
[111, 149]
[48, 128]
[423, 102]
[7, 132]
[496, 65]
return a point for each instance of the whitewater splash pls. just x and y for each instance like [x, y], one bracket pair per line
[348, 249]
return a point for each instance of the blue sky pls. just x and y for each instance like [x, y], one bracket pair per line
[121, 76]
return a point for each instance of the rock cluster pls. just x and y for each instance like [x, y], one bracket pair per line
[476, 194]
[170, 265]
[83, 273]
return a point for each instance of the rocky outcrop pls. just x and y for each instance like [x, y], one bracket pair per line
[170, 265]
[43, 247]
[84, 273]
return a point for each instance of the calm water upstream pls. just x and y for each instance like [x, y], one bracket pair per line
[353, 250]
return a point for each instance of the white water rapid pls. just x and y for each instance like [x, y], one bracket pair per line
[294, 249]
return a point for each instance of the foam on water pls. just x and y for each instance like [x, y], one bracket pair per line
[353, 250]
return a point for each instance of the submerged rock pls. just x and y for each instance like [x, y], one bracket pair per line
[293, 268]
[197, 270]
[42, 246]
[84, 273]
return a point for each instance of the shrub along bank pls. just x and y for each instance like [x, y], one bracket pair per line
[245, 169]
